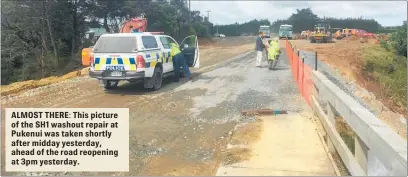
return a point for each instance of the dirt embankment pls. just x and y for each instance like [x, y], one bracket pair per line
[346, 56]
[212, 50]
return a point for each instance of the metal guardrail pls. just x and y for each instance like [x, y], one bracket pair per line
[378, 150]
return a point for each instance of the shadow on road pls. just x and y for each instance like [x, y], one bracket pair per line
[280, 68]
[137, 88]
[168, 84]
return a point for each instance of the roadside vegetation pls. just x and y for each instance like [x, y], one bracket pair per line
[44, 38]
[386, 63]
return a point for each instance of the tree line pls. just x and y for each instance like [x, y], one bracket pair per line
[302, 20]
[398, 40]
[238, 29]
[41, 38]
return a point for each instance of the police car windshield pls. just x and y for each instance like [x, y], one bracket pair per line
[115, 44]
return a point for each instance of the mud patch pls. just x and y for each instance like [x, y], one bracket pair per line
[248, 133]
[235, 155]
[242, 138]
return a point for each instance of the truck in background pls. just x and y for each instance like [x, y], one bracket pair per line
[285, 31]
[266, 30]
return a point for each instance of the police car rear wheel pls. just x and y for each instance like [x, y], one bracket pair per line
[158, 79]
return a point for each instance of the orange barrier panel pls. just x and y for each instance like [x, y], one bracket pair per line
[302, 73]
[86, 56]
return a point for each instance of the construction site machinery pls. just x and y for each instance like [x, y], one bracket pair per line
[356, 33]
[321, 33]
[130, 26]
[266, 30]
[134, 25]
[285, 31]
[336, 33]
[303, 35]
[348, 32]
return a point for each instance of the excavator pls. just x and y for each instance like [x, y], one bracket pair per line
[132, 25]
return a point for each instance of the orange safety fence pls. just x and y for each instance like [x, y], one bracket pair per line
[302, 73]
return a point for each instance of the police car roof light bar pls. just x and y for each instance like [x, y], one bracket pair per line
[156, 32]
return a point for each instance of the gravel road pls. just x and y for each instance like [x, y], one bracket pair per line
[183, 128]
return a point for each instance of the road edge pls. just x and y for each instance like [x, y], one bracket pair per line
[217, 65]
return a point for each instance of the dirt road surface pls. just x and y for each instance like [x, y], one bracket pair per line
[184, 128]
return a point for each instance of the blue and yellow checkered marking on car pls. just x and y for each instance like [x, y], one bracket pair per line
[130, 63]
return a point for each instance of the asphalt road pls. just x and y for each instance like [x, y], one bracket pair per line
[183, 128]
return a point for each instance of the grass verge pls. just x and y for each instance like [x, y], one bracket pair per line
[31, 84]
[389, 70]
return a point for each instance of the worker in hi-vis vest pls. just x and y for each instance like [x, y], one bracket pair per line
[273, 49]
[178, 60]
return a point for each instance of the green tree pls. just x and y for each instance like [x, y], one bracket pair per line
[399, 41]
[41, 38]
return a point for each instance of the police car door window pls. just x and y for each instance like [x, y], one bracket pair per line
[149, 42]
[165, 42]
[170, 40]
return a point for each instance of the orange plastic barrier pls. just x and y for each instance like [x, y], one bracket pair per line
[302, 73]
[86, 56]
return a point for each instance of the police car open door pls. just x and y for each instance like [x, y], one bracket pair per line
[189, 46]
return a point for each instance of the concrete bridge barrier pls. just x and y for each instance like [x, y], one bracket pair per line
[375, 149]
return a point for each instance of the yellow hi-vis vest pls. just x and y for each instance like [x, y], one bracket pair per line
[174, 49]
[277, 48]
[273, 50]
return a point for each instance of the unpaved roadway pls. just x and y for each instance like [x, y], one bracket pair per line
[184, 128]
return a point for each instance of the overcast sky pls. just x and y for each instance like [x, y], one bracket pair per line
[387, 13]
